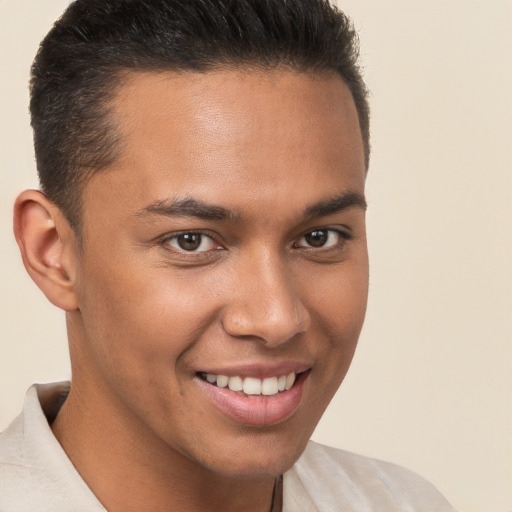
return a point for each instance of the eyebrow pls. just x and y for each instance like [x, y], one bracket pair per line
[336, 204]
[188, 207]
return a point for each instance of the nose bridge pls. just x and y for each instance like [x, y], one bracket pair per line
[265, 303]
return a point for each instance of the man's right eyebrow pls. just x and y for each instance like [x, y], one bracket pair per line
[187, 207]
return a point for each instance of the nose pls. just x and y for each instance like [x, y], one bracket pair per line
[264, 303]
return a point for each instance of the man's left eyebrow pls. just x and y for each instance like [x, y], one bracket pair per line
[336, 204]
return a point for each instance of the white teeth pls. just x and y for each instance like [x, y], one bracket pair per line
[222, 381]
[290, 379]
[269, 386]
[252, 385]
[235, 384]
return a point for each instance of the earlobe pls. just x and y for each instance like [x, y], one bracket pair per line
[47, 245]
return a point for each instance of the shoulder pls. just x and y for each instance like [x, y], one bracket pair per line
[13, 452]
[35, 473]
[334, 479]
[15, 472]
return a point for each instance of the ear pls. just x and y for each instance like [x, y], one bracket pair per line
[48, 247]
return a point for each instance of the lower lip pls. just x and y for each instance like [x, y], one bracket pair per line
[257, 410]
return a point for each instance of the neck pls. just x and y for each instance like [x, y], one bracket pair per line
[129, 469]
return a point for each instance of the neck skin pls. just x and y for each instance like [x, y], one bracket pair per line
[126, 474]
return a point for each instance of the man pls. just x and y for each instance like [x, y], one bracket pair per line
[202, 224]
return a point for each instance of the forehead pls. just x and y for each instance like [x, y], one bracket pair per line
[228, 132]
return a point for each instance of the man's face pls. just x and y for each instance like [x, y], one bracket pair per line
[227, 243]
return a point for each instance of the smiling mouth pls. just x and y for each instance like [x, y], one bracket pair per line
[255, 401]
[252, 386]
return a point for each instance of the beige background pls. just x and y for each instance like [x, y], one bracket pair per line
[430, 387]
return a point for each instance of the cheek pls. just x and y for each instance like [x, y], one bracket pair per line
[339, 296]
[135, 336]
[139, 323]
[338, 307]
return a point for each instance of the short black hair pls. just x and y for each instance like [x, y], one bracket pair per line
[80, 64]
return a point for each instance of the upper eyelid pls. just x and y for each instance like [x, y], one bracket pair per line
[169, 236]
[343, 230]
[345, 233]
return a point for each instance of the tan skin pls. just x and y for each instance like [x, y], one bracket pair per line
[145, 315]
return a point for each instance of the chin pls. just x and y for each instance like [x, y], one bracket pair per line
[264, 459]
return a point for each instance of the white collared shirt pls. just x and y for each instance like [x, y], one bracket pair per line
[37, 476]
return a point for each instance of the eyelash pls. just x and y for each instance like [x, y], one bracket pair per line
[343, 236]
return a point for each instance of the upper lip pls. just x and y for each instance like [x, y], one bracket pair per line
[259, 370]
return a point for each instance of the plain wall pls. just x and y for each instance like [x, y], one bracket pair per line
[430, 387]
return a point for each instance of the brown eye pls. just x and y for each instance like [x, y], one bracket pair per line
[317, 238]
[191, 242]
[325, 238]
